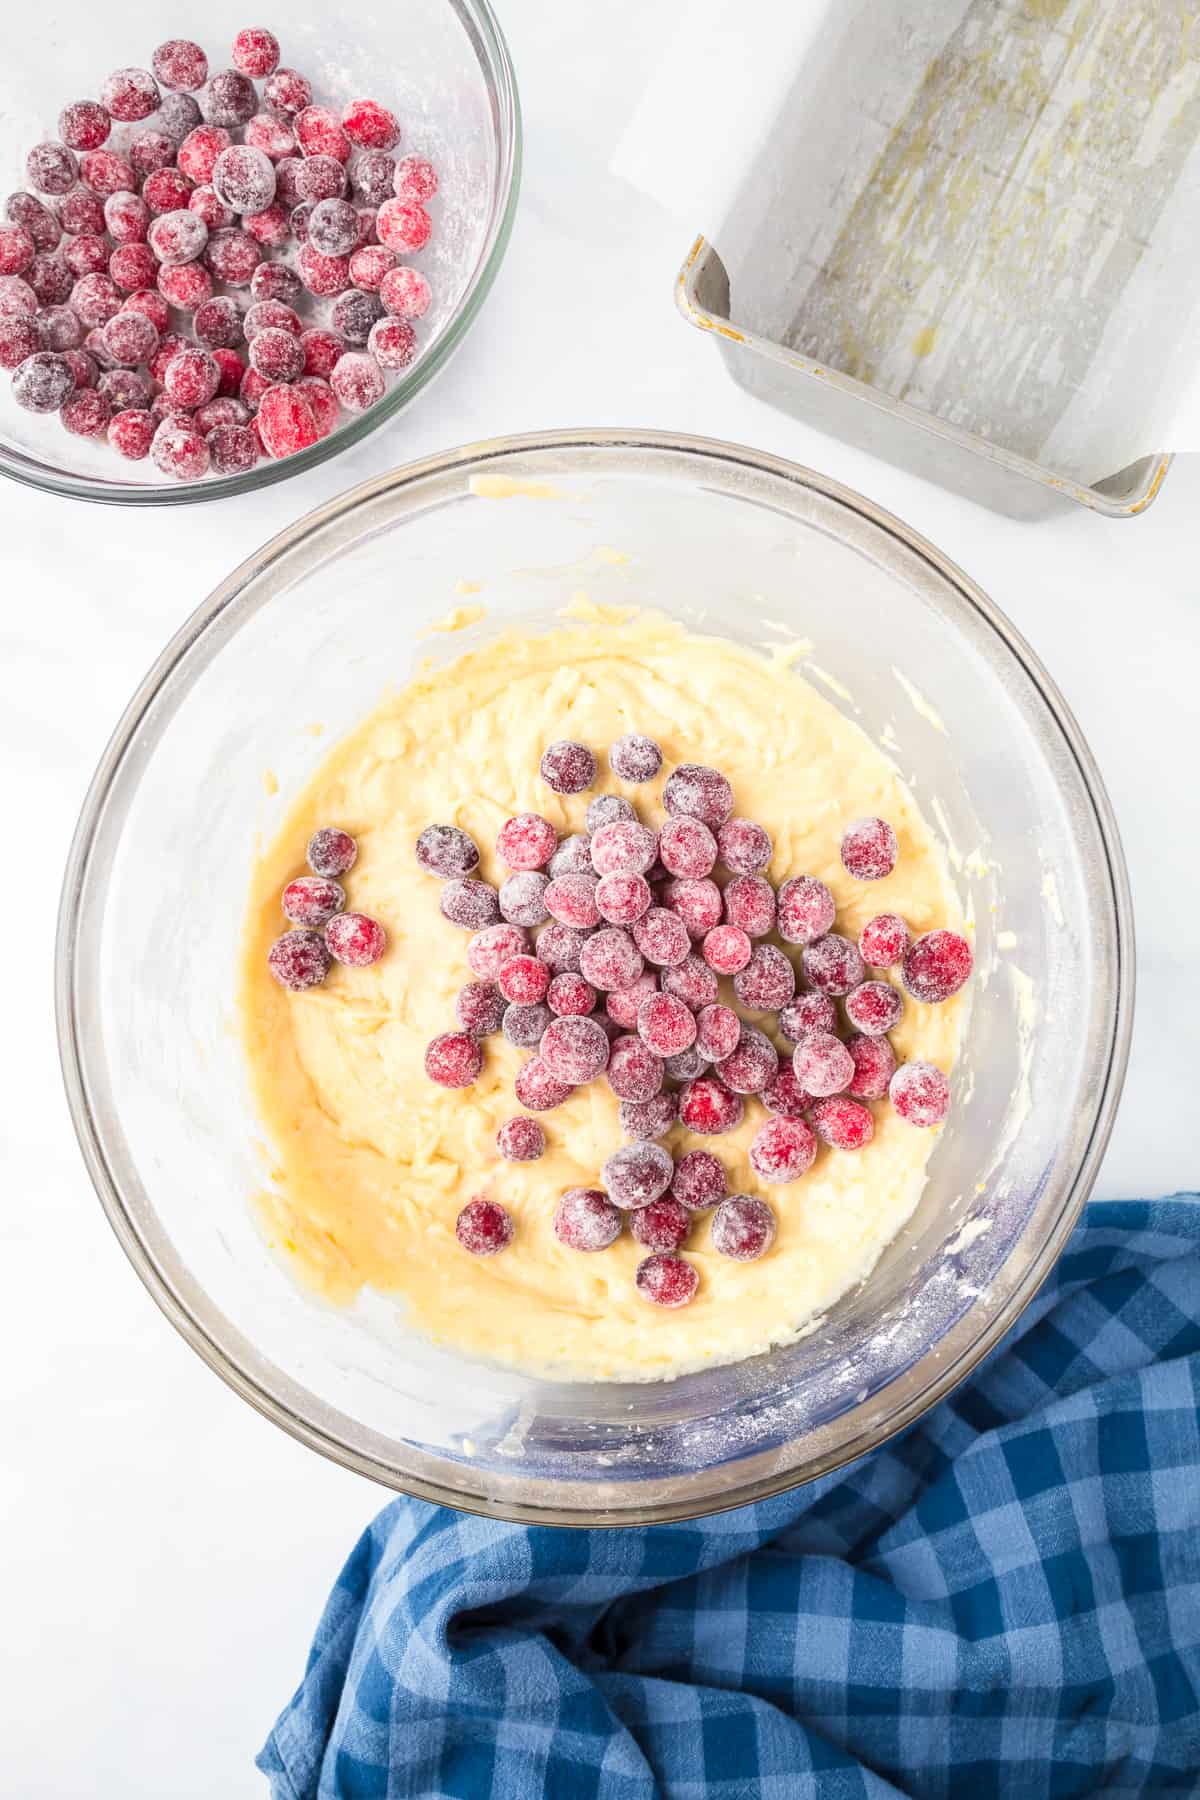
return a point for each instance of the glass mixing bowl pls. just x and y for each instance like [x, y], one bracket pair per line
[312, 628]
[442, 65]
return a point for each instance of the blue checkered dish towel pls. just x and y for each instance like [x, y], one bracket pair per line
[1004, 1601]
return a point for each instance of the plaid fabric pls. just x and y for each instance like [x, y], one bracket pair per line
[1004, 1602]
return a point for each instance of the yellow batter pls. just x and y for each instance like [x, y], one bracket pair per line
[374, 1162]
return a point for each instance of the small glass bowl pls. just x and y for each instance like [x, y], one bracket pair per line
[444, 68]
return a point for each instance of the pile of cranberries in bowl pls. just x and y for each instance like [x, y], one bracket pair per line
[622, 982]
[207, 272]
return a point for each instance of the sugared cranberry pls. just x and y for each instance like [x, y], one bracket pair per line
[298, 960]
[404, 291]
[873, 1007]
[232, 448]
[27, 211]
[569, 996]
[744, 847]
[178, 115]
[271, 226]
[277, 355]
[782, 1150]
[167, 191]
[575, 1050]
[105, 173]
[634, 758]
[559, 946]
[255, 52]
[357, 380]
[312, 900]
[21, 335]
[750, 903]
[369, 265]
[133, 267]
[150, 302]
[622, 899]
[920, 1093]
[271, 315]
[131, 433]
[698, 903]
[370, 125]
[243, 179]
[662, 1225]
[623, 847]
[568, 768]
[218, 324]
[743, 1228]
[805, 910]
[662, 937]
[609, 959]
[62, 328]
[691, 981]
[665, 1024]
[651, 1118]
[371, 178]
[637, 1174]
[333, 226]
[356, 939]
[585, 1220]
[191, 378]
[523, 898]
[686, 847]
[936, 966]
[572, 900]
[832, 964]
[130, 94]
[16, 296]
[483, 1228]
[624, 1004]
[51, 280]
[784, 1096]
[521, 1140]
[416, 179]
[446, 851]
[454, 1059]
[188, 285]
[524, 980]
[285, 421]
[469, 904]
[718, 1030]
[822, 1064]
[635, 1072]
[537, 1089]
[491, 948]
[727, 949]
[331, 851]
[84, 125]
[696, 792]
[807, 1012]
[320, 133]
[605, 809]
[95, 299]
[151, 150]
[127, 217]
[874, 1065]
[43, 382]
[526, 842]
[754, 1063]
[843, 1123]
[525, 1026]
[233, 257]
[86, 414]
[228, 99]
[274, 137]
[767, 982]
[883, 940]
[199, 151]
[403, 225]
[322, 351]
[287, 92]
[180, 64]
[666, 1280]
[699, 1181]
[51, 169]
[479, 1008]
[869, 849]
[573, 857]
[709, 1108]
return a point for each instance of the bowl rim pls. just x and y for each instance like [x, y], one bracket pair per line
[961, 1348]
[483, 31]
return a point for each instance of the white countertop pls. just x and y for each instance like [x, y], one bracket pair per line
[165, 1553]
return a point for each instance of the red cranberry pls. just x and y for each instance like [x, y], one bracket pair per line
[767, 982]
[869, 849]
[572, 899]
[663, 1225]
[127, 217]
[130, 94]
[188, 285]
[632, 758]
[369, 265]
[634, 1071]
[568, 768]
[699, 1181]
[491, 948]
[331, 851]
[662, 937]
[298, 960]
[623, 847]
[624, 1004]
[698, 903]
[131, 433]
[232, 448]
[651, 1118]
[559, 946]
[605, 809]
[276, 355]
[251, 386]
[371, 176]
[609, 959]
[744, 847]
[358, 382]
[404, 291]
[754, 1063]
[695, 792]
[666, 1280]
[727, 949]
[274, 137]
[356, 939]
[403, 225]
[743, 1228]
[708, 1108]
[51, 169]
[805, 910]
[216, 215]
[524, 980]
[575, 1050]
[244, 179]
[522, 1140]
[523, 898]
[686, 847]
[622, 899]
[807, 1012]
[585, 1220]
[320, 133]
[483, 1228]
[151, 150]
[287, 92]
[822, 1064]
[285, 421]
[537, 1089]
[750, 903]
[28, 212]
[198, 153]
[42, 382]
[691, 981]
[416, 179]
[191, 377]
[573, 857]
[332, 225]
[166, 191]
[936, 966]
[255, 52]
[150, 302]
[177, 115]
[842, 1123]
[85, 255]
[525, 1026]
[479, 1008]
[782, 1150]
[469, 904]
[86, 414]
[370, 125]
[233, 374]
[570, 996]
[718, 1030]
[51, 280]
[229, 99]
[637, 1174]
[63, 330]
[105, 173]
[526, 842]
[134, 268]
[312, 900]
[322, 350]
[319, 179]
[874, 1065]
[271, 226]
[454, 1059]
[180, 64]
[233, 257]
[218, 324]
[446, 851]
[130, 339]
[920, 1093]
[84, 125]
[873, 1008]
[832, 964]
[785, 1097]
[665, 1024]
[883, 940]
[21, 335]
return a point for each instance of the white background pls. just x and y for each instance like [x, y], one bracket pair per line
[164, 1553]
